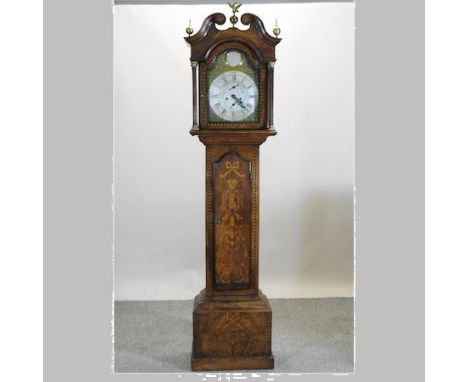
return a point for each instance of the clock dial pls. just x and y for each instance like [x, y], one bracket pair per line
[233, 96]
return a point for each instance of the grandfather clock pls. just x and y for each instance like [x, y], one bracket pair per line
[232, 73]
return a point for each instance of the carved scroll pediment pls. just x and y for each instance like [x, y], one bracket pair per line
[209, 36]
[207, 28]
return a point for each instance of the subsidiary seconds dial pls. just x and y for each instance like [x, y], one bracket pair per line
[233, 96]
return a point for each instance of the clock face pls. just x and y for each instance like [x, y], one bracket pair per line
[233, 95]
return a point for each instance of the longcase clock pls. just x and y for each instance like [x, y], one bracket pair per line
[232, 73]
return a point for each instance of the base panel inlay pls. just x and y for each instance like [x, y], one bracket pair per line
[232, 333]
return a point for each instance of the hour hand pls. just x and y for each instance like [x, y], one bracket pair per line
[238, 101]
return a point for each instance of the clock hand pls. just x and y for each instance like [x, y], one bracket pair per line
[234, 86]
[238, 101]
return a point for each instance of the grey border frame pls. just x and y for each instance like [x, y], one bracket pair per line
[78, 202]
[194, 2]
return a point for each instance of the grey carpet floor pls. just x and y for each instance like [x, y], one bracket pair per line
[309, 336]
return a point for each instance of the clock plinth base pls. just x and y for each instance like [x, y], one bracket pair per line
[231, 333]
[233, 363]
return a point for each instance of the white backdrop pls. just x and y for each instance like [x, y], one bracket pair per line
[306, 172]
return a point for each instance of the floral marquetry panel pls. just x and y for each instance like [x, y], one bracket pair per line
[232, 207]
[232, 210]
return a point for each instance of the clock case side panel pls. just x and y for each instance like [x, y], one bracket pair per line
[263, 78]
[214, 155]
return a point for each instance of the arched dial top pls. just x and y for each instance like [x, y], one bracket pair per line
[232, 85]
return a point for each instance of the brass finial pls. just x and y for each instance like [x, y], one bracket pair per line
[189, 30]
[276, 30]
[234, 5]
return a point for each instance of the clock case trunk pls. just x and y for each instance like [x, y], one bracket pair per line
[232, 318]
